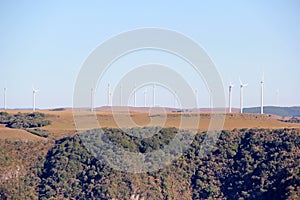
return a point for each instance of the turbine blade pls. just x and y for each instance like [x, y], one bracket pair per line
[240, 81]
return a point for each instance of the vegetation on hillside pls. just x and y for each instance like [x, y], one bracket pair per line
[27, 121]
[292, 120]
[24, 120]
[38, 132]
[21, 163]
[244, 164]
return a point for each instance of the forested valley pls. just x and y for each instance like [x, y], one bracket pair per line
[244, 164]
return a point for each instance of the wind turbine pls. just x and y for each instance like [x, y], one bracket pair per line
[241, 95]
[230, 96]
[5, 98]
[34, 91]
[262, 95]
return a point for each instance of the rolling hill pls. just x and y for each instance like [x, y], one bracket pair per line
[274, 110]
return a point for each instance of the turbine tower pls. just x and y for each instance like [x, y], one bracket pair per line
[241, 95]
[230, 96]
[4, 98]
[34, 91]
[262, 95]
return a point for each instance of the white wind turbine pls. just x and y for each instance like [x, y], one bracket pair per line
[262, 95]
[34, 91]
[230, 96]
[241, 95]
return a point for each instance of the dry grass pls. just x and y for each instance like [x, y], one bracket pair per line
[106, 119]
[63, 123]
[17, 134]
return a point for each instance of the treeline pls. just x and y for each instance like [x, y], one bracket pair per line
[292, 120]
[24, 120]
[244, 164]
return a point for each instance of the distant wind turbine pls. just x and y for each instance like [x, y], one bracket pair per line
[230, 96]
[34, 91]
[241, 95]
[262, 95]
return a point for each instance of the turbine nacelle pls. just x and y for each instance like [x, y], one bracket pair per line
[243, 84]
[34, 90]
[263, 78]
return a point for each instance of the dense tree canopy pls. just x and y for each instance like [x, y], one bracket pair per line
[244, 164]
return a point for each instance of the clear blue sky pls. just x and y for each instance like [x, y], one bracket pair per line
[44, 43]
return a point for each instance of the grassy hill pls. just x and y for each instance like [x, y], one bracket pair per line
[273, 110]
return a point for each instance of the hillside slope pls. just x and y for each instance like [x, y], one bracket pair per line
[274, 110]
[249, 164]
[245, 164]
